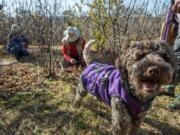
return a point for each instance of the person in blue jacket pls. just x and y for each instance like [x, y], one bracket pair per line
[17, 42]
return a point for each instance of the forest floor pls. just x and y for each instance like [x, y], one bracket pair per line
[30, 104]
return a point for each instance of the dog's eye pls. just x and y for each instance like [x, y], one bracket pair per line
[165, 57]
[139, 56]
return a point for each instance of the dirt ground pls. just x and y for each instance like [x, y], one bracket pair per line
[33, 105]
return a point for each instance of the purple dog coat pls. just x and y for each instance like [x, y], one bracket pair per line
[104, 81]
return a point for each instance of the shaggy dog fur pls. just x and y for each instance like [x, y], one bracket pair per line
[106, 56]
[145, 66]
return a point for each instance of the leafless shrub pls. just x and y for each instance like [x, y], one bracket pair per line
[119, 22]
[111, 22]
[42, 22]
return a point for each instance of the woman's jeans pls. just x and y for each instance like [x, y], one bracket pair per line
[18, 52]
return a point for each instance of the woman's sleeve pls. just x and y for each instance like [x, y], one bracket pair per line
[65, 54]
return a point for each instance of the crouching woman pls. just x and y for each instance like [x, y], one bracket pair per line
[17, 42]
[72, 48]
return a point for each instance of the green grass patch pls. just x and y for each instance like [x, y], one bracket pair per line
[47, 109]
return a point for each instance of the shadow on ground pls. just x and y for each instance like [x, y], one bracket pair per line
[163, 127]
[39, 112]
[40, 58]
[37, 57]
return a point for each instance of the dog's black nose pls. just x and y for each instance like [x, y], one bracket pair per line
[154, 70]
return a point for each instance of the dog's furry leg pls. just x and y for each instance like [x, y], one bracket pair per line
[80, 93]
[135, 127]
[86, 52]
[120, 118]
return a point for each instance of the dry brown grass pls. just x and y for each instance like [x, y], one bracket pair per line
[46, 109]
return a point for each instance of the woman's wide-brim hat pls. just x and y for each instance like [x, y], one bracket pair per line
[72, 34]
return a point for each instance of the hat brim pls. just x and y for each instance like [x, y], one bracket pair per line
[73, 38]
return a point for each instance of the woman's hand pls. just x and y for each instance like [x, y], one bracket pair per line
[176, 6]
[73, 61]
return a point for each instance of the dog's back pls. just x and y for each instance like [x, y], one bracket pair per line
[102, 81]
[105, 55]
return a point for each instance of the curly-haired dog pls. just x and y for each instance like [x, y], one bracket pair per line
[130, 89]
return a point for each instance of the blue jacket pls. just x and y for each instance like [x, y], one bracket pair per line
[16, 42]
